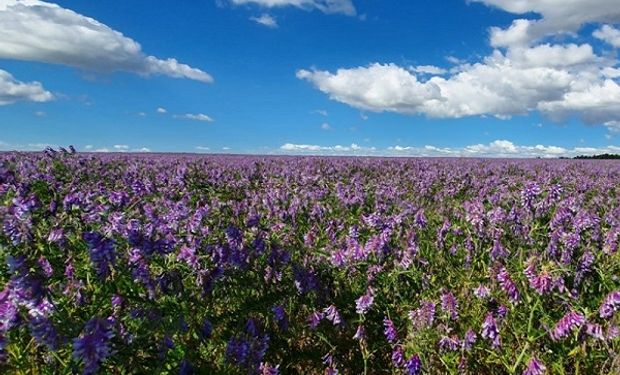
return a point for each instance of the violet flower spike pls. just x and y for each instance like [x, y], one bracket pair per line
[535, 367]
[610, 305]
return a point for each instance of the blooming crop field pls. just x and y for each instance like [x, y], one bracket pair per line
[129, 264]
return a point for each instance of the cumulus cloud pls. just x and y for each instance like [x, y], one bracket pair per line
[428, 69]
[354, 149]
[556, 17]
[34, 30]
[497, 148]
[326, 126]
[116, 148]
[326, 6]
[12, 90]
[556, 80]
[523, 74]
[195, 117]
[608, 34]
[161, 110]
[501, 148]
[266, 20]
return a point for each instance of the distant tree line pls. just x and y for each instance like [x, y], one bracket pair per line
[602, 156]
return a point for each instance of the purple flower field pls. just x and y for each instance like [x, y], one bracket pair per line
[283, 265]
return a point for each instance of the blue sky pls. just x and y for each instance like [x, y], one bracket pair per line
[455, 77]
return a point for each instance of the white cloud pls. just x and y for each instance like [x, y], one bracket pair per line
[330, 150]
[162, 110]
[500, 148]
[325, 6]
[557, 17]
[552, 56]
[609, 34]
[325, 126]
[40, 114]
[202, 148]
[613, 126]
[116, 148]
[5, 146]
[12, 90]
[266, 20]
[428, 69]
[195, 116]
[321, 112]
[521, 75]
[557, 80]
[34, 30]
[376, 87]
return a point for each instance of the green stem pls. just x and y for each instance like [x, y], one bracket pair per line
[520, 358]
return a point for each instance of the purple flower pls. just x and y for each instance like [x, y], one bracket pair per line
[102, 253]
[569, 322]
[542, 283]
[535, 367]
[390, 332]
[248, 350]
[424, 316]
[267, 369]
[188, 255]
[595, 330]
[413, 366]
[610, 305]
[315, 318]
[360, 334]
[508, 285]
[612, 332]
[482, 292]
[470, 339]
[490, 331]
[44, 332]
[56, 236]
[117, 302]
[611, 241]
[205, 329]
[529, 194]
[238, 350]
[450, 305]
[363, 303]
[45, 265]
[398, 357]
[420, 219]
[498, 251]
[280, 317]
[450, 344]
[93, 345]
[584, 266]
[8, 311]
[332, 314]
[3, 353]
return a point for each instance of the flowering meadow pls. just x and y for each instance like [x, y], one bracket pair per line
[168, 264]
